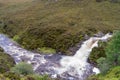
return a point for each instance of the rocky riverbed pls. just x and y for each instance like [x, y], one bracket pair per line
[73, 67]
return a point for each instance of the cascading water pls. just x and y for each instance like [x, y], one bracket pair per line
[65, 67]
[77, 66]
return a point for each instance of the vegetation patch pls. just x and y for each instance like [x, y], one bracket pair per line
[112, 52]
[57, 24]
[6, 61]
[109, 64]
[14, 76]
[113, 74]
[98, 52]
[22, 68]
[46, 50]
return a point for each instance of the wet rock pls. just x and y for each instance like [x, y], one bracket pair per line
[37, 55]
[24, 58]
[15, 55]
[86, 37]
[53, 58]
[99, 34]
[65, 67]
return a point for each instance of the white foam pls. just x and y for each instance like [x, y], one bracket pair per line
[75, 65]
[79, 60]
[96, 70]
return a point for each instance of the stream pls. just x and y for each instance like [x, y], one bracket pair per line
[64, 67]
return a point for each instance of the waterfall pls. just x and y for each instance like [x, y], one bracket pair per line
[73, 67]
[78, 62]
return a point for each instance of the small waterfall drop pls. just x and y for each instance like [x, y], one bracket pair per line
[78, 62]
[73, 67]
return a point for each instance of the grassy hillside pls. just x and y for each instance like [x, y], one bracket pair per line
[57, 24]
[6, 61]
[13, 1]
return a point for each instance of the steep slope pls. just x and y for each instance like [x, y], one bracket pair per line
[57, 24]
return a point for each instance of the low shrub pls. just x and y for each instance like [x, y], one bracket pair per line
[38, 77]
[22, 68]
[12, 76]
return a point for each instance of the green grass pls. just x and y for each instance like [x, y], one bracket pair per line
[47, 50]
[6, 61]
[58, 25]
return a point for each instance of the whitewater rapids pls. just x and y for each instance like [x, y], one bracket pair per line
[73, 67]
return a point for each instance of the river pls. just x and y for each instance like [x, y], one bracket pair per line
[73, 67]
